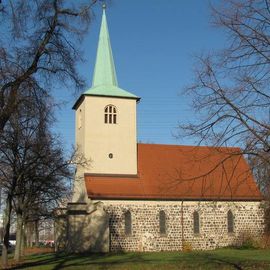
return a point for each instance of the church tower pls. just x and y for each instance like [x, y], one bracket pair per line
[106, 119]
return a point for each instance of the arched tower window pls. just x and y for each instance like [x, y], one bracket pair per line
[110, 115]
[162, 222]
[128, 223]
[230, 220]
[196, 222]
[80, 118]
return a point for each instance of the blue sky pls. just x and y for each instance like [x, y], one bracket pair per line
[154, 43]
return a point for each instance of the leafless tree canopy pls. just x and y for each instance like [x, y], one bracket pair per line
[33, 168]
[39, 51]
[39, 48]
[230, 90]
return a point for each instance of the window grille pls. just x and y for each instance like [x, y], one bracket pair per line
[110, 115]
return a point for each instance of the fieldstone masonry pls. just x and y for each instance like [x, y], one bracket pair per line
[99, 226]
[248, 219]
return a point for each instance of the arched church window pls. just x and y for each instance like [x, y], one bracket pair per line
[162, 222]
[80, 119]
[128, 226]
[230, 220]
[196, 222]
[110, 114]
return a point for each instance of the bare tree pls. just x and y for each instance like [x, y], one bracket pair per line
[39, 48]
[12, 157]
[33, 167]
[230, 90]
[39, 51]
[261, 171]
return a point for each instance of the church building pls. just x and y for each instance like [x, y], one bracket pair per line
[149, 197]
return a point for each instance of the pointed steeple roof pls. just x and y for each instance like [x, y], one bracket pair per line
[104, 79]
[104, 72]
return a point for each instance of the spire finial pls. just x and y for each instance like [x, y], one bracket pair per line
[103, 6]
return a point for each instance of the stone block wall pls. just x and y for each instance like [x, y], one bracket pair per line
[145, 236]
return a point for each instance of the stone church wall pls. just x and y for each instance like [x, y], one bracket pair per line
[145, 235]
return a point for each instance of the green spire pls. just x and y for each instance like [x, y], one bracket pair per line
[104, 73]
[104, 78]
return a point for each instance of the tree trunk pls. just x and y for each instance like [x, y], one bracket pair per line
[6, 225]
[23, 244]
[30, 232]
[36, 233]
[19, 237]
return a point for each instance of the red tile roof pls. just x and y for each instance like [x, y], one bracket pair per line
[180, 172]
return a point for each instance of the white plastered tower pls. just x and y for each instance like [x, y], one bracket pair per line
[105, 122]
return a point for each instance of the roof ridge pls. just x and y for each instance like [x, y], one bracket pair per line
[192, 146]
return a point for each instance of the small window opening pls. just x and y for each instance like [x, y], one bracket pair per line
[162, 222]
[196, 222]
[80, 119]
[128, 226]
[230, 220]
[110, 115]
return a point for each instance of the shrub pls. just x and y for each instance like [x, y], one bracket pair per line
[187, 246]
[265, 241]
[248, 241]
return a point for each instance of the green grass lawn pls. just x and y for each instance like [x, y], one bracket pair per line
[218, 259]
